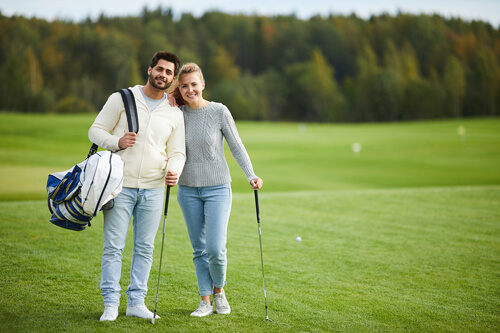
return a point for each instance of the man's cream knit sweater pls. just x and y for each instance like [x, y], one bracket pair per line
[146, 162]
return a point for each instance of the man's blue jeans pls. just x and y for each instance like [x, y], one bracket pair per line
[206, 212]
[145, 205]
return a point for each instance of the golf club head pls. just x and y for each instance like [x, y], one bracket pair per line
[154, 317]
[267, 318]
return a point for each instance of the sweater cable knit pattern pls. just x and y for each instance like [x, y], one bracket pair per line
[206, 128]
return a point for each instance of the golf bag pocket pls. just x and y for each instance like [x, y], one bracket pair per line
[69, 214]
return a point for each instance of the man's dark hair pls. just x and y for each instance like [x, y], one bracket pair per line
[170, 57]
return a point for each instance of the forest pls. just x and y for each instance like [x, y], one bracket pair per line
[273, 68]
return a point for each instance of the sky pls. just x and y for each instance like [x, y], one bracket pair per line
[78, 10]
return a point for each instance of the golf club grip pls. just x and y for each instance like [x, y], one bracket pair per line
[257, 205]
[166, 200]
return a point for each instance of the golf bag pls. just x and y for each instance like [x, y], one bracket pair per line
[76, 195]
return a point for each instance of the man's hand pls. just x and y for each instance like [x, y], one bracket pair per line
[128, 140]
[171, 178]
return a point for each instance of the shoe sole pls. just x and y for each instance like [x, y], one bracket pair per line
[223, 313]
[130, 315]
[142, 317]
[107, 319]
[202, 315]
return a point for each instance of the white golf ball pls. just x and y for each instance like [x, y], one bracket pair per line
[298, 239]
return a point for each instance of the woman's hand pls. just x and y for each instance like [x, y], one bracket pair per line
[171, 100]
[256, 183]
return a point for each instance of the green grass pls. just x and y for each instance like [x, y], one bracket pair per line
[418, 260]
[397, 155]
[403, 238]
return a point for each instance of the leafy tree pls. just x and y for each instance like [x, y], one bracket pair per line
[22, 84]
[135, 76]
[455, 82]
[328, 38]
[349, 91]
[246, 97]
[385, 96]
[31, 67]
[368, 69]
[313, 93]
[487, 70]
[291, 42]
[257, 49]
[12, 84]
[465, 46]
[427, 38]
[114, 52]
[416, 101]
[409, 62]
[221, 67]
[266, 67]
[392, 59]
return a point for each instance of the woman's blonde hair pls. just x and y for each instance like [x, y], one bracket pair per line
[191, 67]
[188, 68]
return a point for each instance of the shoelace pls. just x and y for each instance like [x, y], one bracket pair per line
[219, 303]
[202, 306]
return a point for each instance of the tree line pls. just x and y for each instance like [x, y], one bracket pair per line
[276, 68]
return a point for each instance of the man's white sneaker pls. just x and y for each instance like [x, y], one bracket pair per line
[221, 304]
[110, 312]
[204, 309]
[140, 311]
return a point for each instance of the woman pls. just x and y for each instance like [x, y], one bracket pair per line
[204, 192]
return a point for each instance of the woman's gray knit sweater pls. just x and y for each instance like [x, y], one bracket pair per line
[206, 129]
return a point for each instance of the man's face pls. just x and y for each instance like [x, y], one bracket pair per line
[162, 75]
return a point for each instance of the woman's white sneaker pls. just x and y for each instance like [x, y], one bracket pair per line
[204, 309]
[221, 304]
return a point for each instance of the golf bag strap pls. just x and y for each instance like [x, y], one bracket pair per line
[131, 112]
[93, 150]
[130, 109]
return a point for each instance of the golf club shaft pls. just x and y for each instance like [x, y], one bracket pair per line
[261, 255]
[167, 197]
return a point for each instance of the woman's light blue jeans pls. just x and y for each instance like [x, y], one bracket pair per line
[145, 205]
[206, 212]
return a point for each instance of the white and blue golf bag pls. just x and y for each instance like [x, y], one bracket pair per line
[78, 194]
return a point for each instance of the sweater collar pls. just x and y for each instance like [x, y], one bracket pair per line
[138, 97]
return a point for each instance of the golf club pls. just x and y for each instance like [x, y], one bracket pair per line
[261, 257]
[167, 196]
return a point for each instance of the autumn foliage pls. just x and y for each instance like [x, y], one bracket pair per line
[280, 68]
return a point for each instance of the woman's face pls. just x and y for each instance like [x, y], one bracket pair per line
[191, 88]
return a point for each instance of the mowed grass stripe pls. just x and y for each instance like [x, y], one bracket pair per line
[288, 156]
[393, 260]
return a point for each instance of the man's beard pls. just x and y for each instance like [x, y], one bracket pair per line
[152, 81]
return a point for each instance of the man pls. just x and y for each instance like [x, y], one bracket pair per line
[161, 127]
